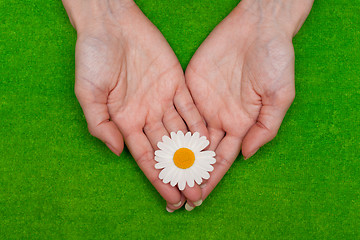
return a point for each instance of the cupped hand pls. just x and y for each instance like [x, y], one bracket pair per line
[242, 81]
[131, 86]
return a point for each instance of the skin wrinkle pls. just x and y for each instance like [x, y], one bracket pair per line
[119, 79]
[236, 81]
[289, 13]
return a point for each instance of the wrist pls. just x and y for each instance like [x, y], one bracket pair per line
[85, 14]
[286, 16]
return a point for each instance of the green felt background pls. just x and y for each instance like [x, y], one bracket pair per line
[58, 182]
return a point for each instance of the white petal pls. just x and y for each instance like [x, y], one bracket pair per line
[202, 143]
[204, 166]
[162, 154]
[189, 178]
[181, 184]
[205, 154]
[181, 137]
[196, 143]
[187, 139]
[211, 160]
[193, 140]
[180, 133]
[163, 173]
[170, 142]
[175, 178]
[196, 175]
[176, 140]
[204, 174]
[166, 147]
[169, 175]
[196, 135]
[161, 165]
[161, 159]
[165, 138]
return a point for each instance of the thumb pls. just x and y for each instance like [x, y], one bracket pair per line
[267, 125]
[94, 105]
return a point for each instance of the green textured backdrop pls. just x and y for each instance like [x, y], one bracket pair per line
[58, 182]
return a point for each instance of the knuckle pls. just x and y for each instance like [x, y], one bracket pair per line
[144, 158]
[77, 91]
[152, 127]
[226, 163]
[272, 135]
[196, 125]
[171, 116]
[187, 107]
[271, 132]
[92, 131]
[154, 180]
[283, 98]
[291, 97]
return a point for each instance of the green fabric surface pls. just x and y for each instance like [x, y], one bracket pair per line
[58, 182]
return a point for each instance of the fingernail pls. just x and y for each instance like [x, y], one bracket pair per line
[250, 155]
[177, 205]
[112, 149]
[198, 203]
[188, 207]
[203, 185]
[169, 210]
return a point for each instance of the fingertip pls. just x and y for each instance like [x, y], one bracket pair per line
[169, 209]
[247, 156]
[264, 130]
[215, 136]
[198, 203]
[203, 130]
[116, 150]
[172, 207]
[249, 145]
[109, 133]
[112, 137]
[193, 194]
[254, 139]
[189, 207]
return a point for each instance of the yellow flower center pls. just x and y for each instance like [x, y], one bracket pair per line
[184, 158]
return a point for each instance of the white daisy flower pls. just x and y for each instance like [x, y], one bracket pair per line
[182, 160]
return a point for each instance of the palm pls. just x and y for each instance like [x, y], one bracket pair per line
[133, 87]
[242, 85]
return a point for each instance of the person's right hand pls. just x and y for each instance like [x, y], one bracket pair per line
[130, 85]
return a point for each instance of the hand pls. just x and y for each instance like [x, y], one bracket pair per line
[242, 81]
[130, 85]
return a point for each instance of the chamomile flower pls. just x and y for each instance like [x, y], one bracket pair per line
[182, 160]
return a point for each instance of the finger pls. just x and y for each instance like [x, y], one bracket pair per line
[226, 153]
[215, 135]
[154, 131]
[193, 195]
[93, 103]
[173, 122]
[172, 207]
[265, 129]
[186, 108]
[141, 149]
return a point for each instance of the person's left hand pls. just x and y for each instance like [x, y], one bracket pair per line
[242, 81]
